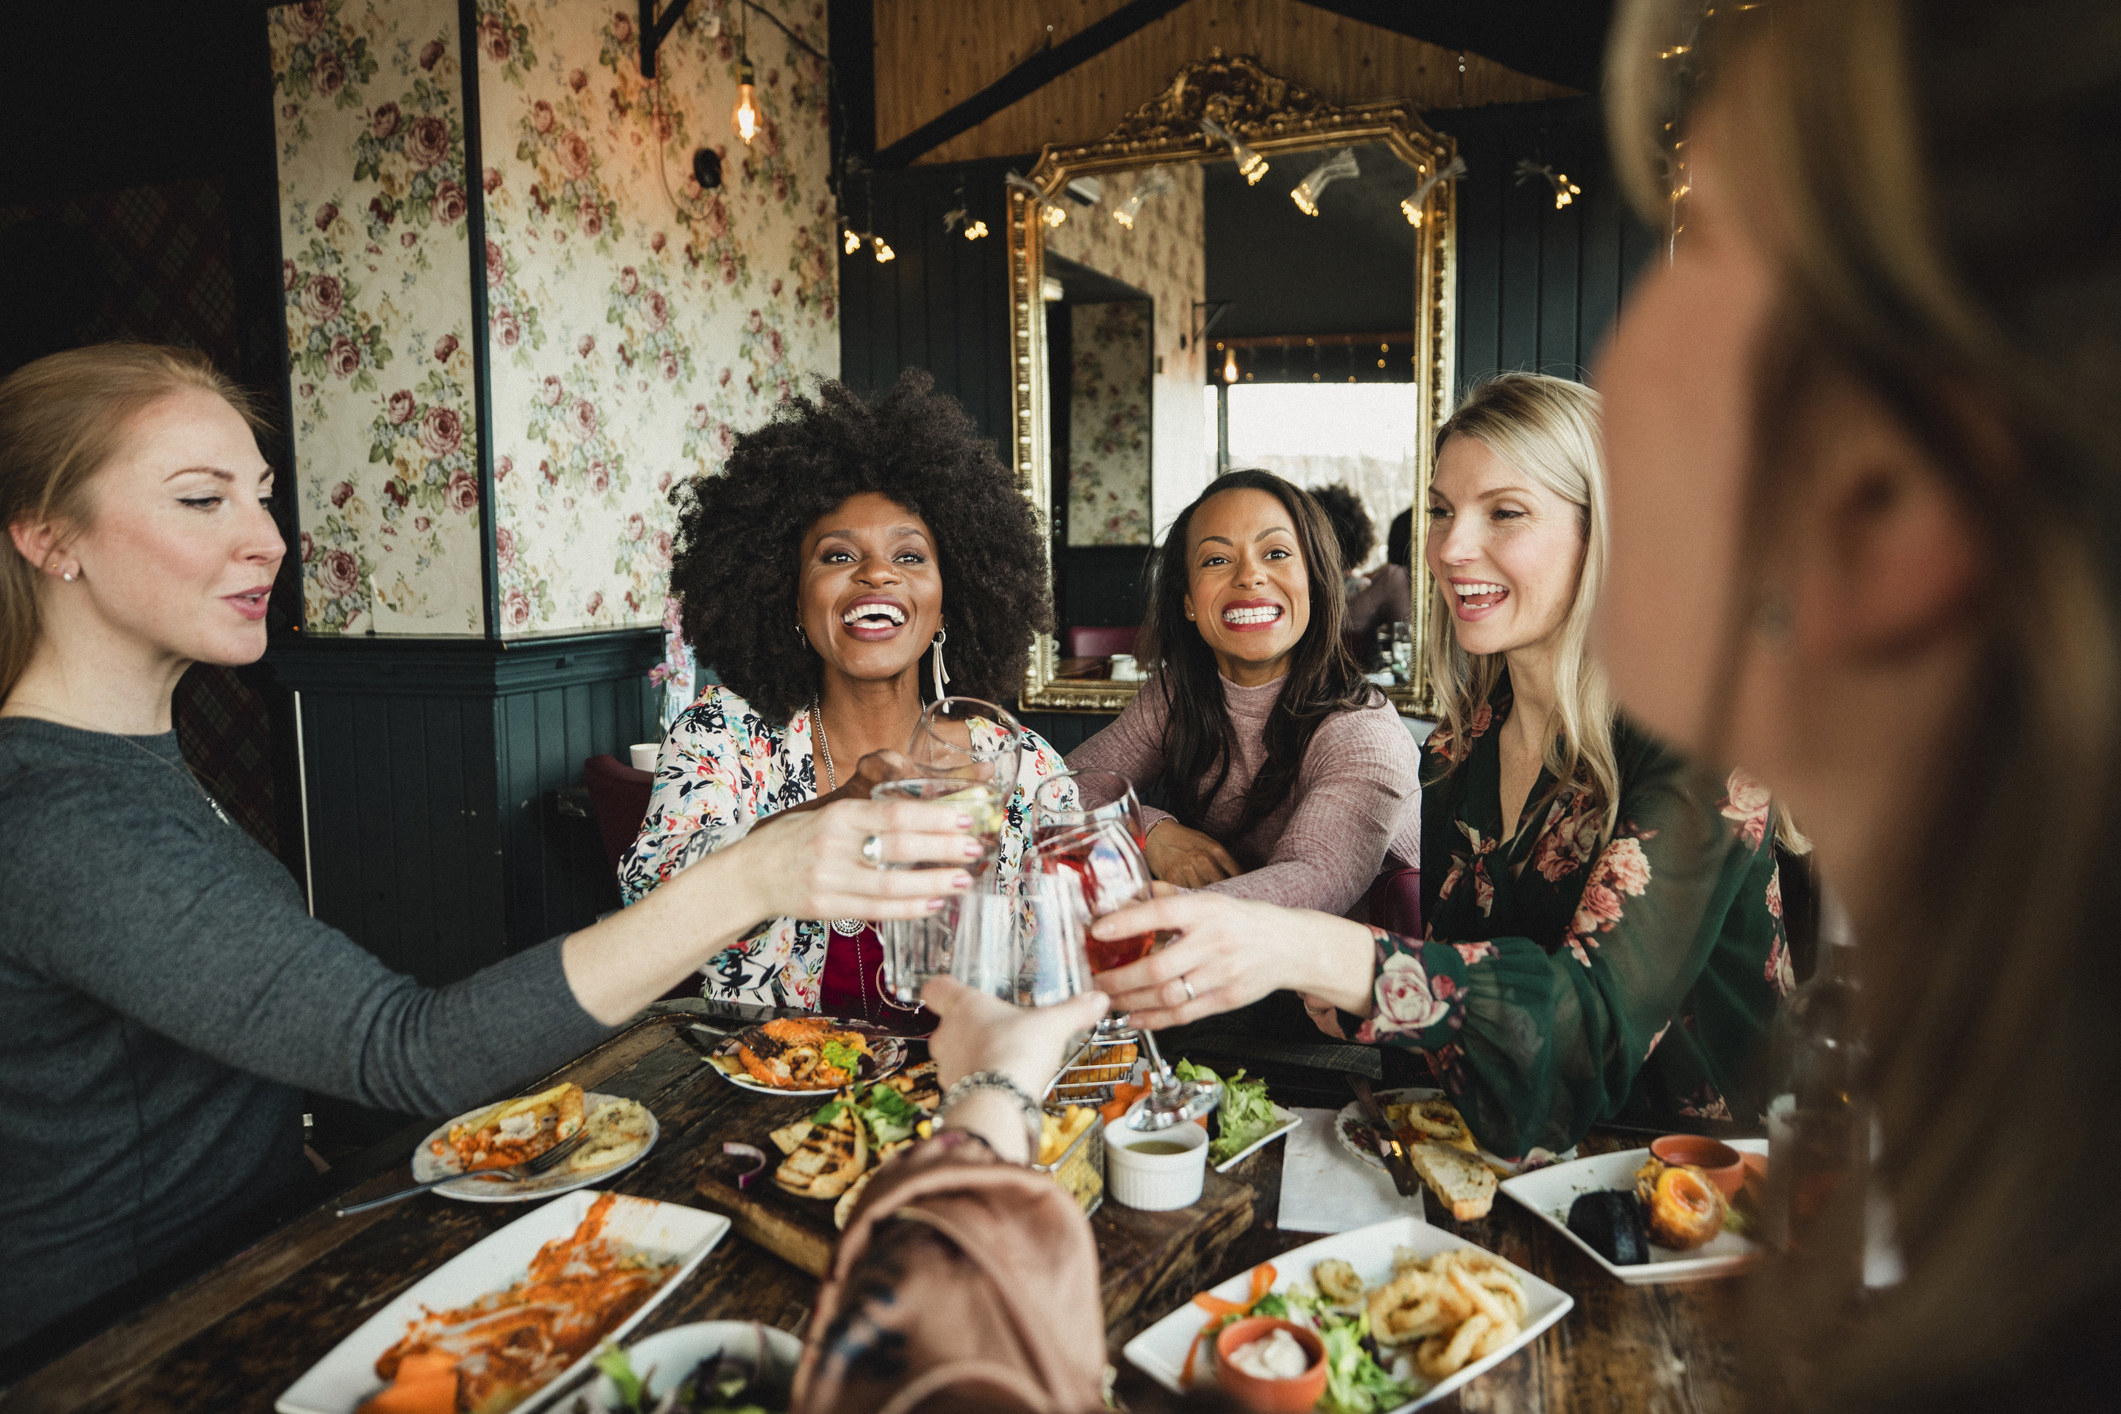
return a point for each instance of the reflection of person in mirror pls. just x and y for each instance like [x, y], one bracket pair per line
[1287, 777]
[810, 570]
[1388, 595]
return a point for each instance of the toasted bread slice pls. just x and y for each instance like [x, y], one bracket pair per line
[616, 1132]
[830, 1158]
[789, 1137]
[1460, 1181]
[919, 1085]
[844, 1209]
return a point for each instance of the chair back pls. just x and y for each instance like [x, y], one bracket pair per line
[1395, 901]
[1095, 642]
[618, 797]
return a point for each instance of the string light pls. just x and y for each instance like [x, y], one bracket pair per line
[1565, 191]
[957, 216]
[850, 240]
[1340, 164]
[1155, 182]
[1050, 211]
[884, 253]
[1250, 165]
[1415, 207]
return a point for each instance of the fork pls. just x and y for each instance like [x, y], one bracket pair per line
[514, 1173]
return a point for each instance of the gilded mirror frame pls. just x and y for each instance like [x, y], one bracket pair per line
[1273, 116]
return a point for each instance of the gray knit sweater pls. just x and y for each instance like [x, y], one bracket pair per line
[164, 995]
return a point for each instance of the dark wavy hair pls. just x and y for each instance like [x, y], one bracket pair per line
[1353, 529]
[1324, 678]
[734, 569]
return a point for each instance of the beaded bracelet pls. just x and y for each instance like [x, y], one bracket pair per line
[1034, 1117]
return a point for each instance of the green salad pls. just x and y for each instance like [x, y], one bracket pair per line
[721, 1384]
[1356, 1383]
[1246, 1114]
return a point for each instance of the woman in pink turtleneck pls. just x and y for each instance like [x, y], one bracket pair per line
[1290, 778]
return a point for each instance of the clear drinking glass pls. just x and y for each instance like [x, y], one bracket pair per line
[916, 949]
[965, 738]
[979, 799]
[1073, 799]
[1110, 870]
[1024, 946]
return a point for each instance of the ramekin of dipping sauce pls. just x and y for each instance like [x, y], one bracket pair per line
[1155, 1169]
[1250, 1355]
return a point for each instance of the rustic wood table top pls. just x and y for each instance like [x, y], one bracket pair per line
[242, 1332]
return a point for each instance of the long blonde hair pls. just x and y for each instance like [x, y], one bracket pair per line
[62, 417]
[1547, 428]
[1924, 164]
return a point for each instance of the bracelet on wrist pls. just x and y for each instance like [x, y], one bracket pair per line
[980, 1080]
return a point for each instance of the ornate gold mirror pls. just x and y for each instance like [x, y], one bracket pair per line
[1124, 356]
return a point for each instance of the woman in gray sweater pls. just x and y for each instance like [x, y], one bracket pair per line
[164, 993]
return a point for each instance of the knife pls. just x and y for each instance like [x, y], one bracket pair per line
[1395, 1159]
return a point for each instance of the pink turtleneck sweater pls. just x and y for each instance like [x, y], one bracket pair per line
[1356, 801]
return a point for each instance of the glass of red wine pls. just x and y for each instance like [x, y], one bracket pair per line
[1111, 873]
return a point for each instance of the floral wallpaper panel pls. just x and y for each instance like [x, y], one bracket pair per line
[369, 120]
[1165, 255]
[636, 321]
[1108, 422]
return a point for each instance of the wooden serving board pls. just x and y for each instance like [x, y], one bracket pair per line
[1152, 1259]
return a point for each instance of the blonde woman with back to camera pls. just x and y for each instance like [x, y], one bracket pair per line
[164, 994]
[1603, 924]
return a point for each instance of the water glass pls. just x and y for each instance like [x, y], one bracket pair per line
[1074, 799]
[979, 799]
[968, 739]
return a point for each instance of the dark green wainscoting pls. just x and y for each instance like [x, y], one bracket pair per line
[432, 772]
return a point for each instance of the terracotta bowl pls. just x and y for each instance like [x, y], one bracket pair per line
[1270, 1396]
[1724, 1165]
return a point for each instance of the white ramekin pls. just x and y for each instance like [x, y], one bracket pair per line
[1155, 1181]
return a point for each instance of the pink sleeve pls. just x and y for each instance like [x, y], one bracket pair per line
[1133, 746]
[1361, 780]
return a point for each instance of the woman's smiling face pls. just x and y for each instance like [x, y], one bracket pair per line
[871, 591]
[1507, 551]
[1247, 589]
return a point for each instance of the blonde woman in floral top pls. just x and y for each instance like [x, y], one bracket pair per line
[1602, 922]
[823, 574]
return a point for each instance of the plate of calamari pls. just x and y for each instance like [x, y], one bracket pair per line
[512, 1321]
[616, 1133]
[1407, 1313]
[806, 1055]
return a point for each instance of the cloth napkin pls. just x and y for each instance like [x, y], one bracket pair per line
[1324, 1188]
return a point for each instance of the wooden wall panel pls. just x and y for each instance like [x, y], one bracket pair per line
[433, 771]
[933, 54]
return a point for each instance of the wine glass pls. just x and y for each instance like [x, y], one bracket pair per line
[1073, 799]
[1111, 872]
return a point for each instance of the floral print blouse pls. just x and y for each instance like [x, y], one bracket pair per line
[1560, 984]
[723, 768]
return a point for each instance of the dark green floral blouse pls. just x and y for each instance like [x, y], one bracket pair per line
[1560, 984]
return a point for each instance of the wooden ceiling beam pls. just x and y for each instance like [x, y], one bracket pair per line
[1026, 79]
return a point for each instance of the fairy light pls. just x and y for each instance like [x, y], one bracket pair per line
[850, 240]
[1157, 181]
[1565, 191]
[1250, 165]
[1054, 215]
[1341, 164]
[1415, 207]
[975, 229]
[884, 253]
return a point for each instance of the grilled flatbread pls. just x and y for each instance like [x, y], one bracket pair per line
[789, 1137]
[617, 1131]
[919, 1085]
[844, 1209]
[829, 1158]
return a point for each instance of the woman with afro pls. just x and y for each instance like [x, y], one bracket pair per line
[822, 574]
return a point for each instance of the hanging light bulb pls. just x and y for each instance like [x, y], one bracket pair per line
[1341, 164]
[1415, 205]
[1155, 182]
[1565, 191]
[850, 240]
[884, 253]
[975, 229]
[746, 117]
[957, 216]
[1230, 366]
[1055, 216]
[1049, 211]
[1250, 165]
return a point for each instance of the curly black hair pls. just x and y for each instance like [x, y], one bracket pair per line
[1351, 523]
[734, 567]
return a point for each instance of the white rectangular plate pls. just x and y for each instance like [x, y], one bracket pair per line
[341, 1380]
[1160, 1351]
[1548, 1192]
[1284, 1121]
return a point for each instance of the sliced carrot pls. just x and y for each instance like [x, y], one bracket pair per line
[1123, 1097]
[433, 1394]
[1219, 1309]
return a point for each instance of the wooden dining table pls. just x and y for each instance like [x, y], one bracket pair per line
[235, 1337]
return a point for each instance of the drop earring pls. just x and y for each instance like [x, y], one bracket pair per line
[942, 674]
[800, 634]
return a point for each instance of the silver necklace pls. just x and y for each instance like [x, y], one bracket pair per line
[184, 770]
[832, 777]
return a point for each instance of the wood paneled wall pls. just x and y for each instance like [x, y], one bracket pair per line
[932, 55]
[432, 771]
[1539, 288]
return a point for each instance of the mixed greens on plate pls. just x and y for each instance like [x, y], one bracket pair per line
[1356, 1381]
[1245, 1116]
[723, 1383]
